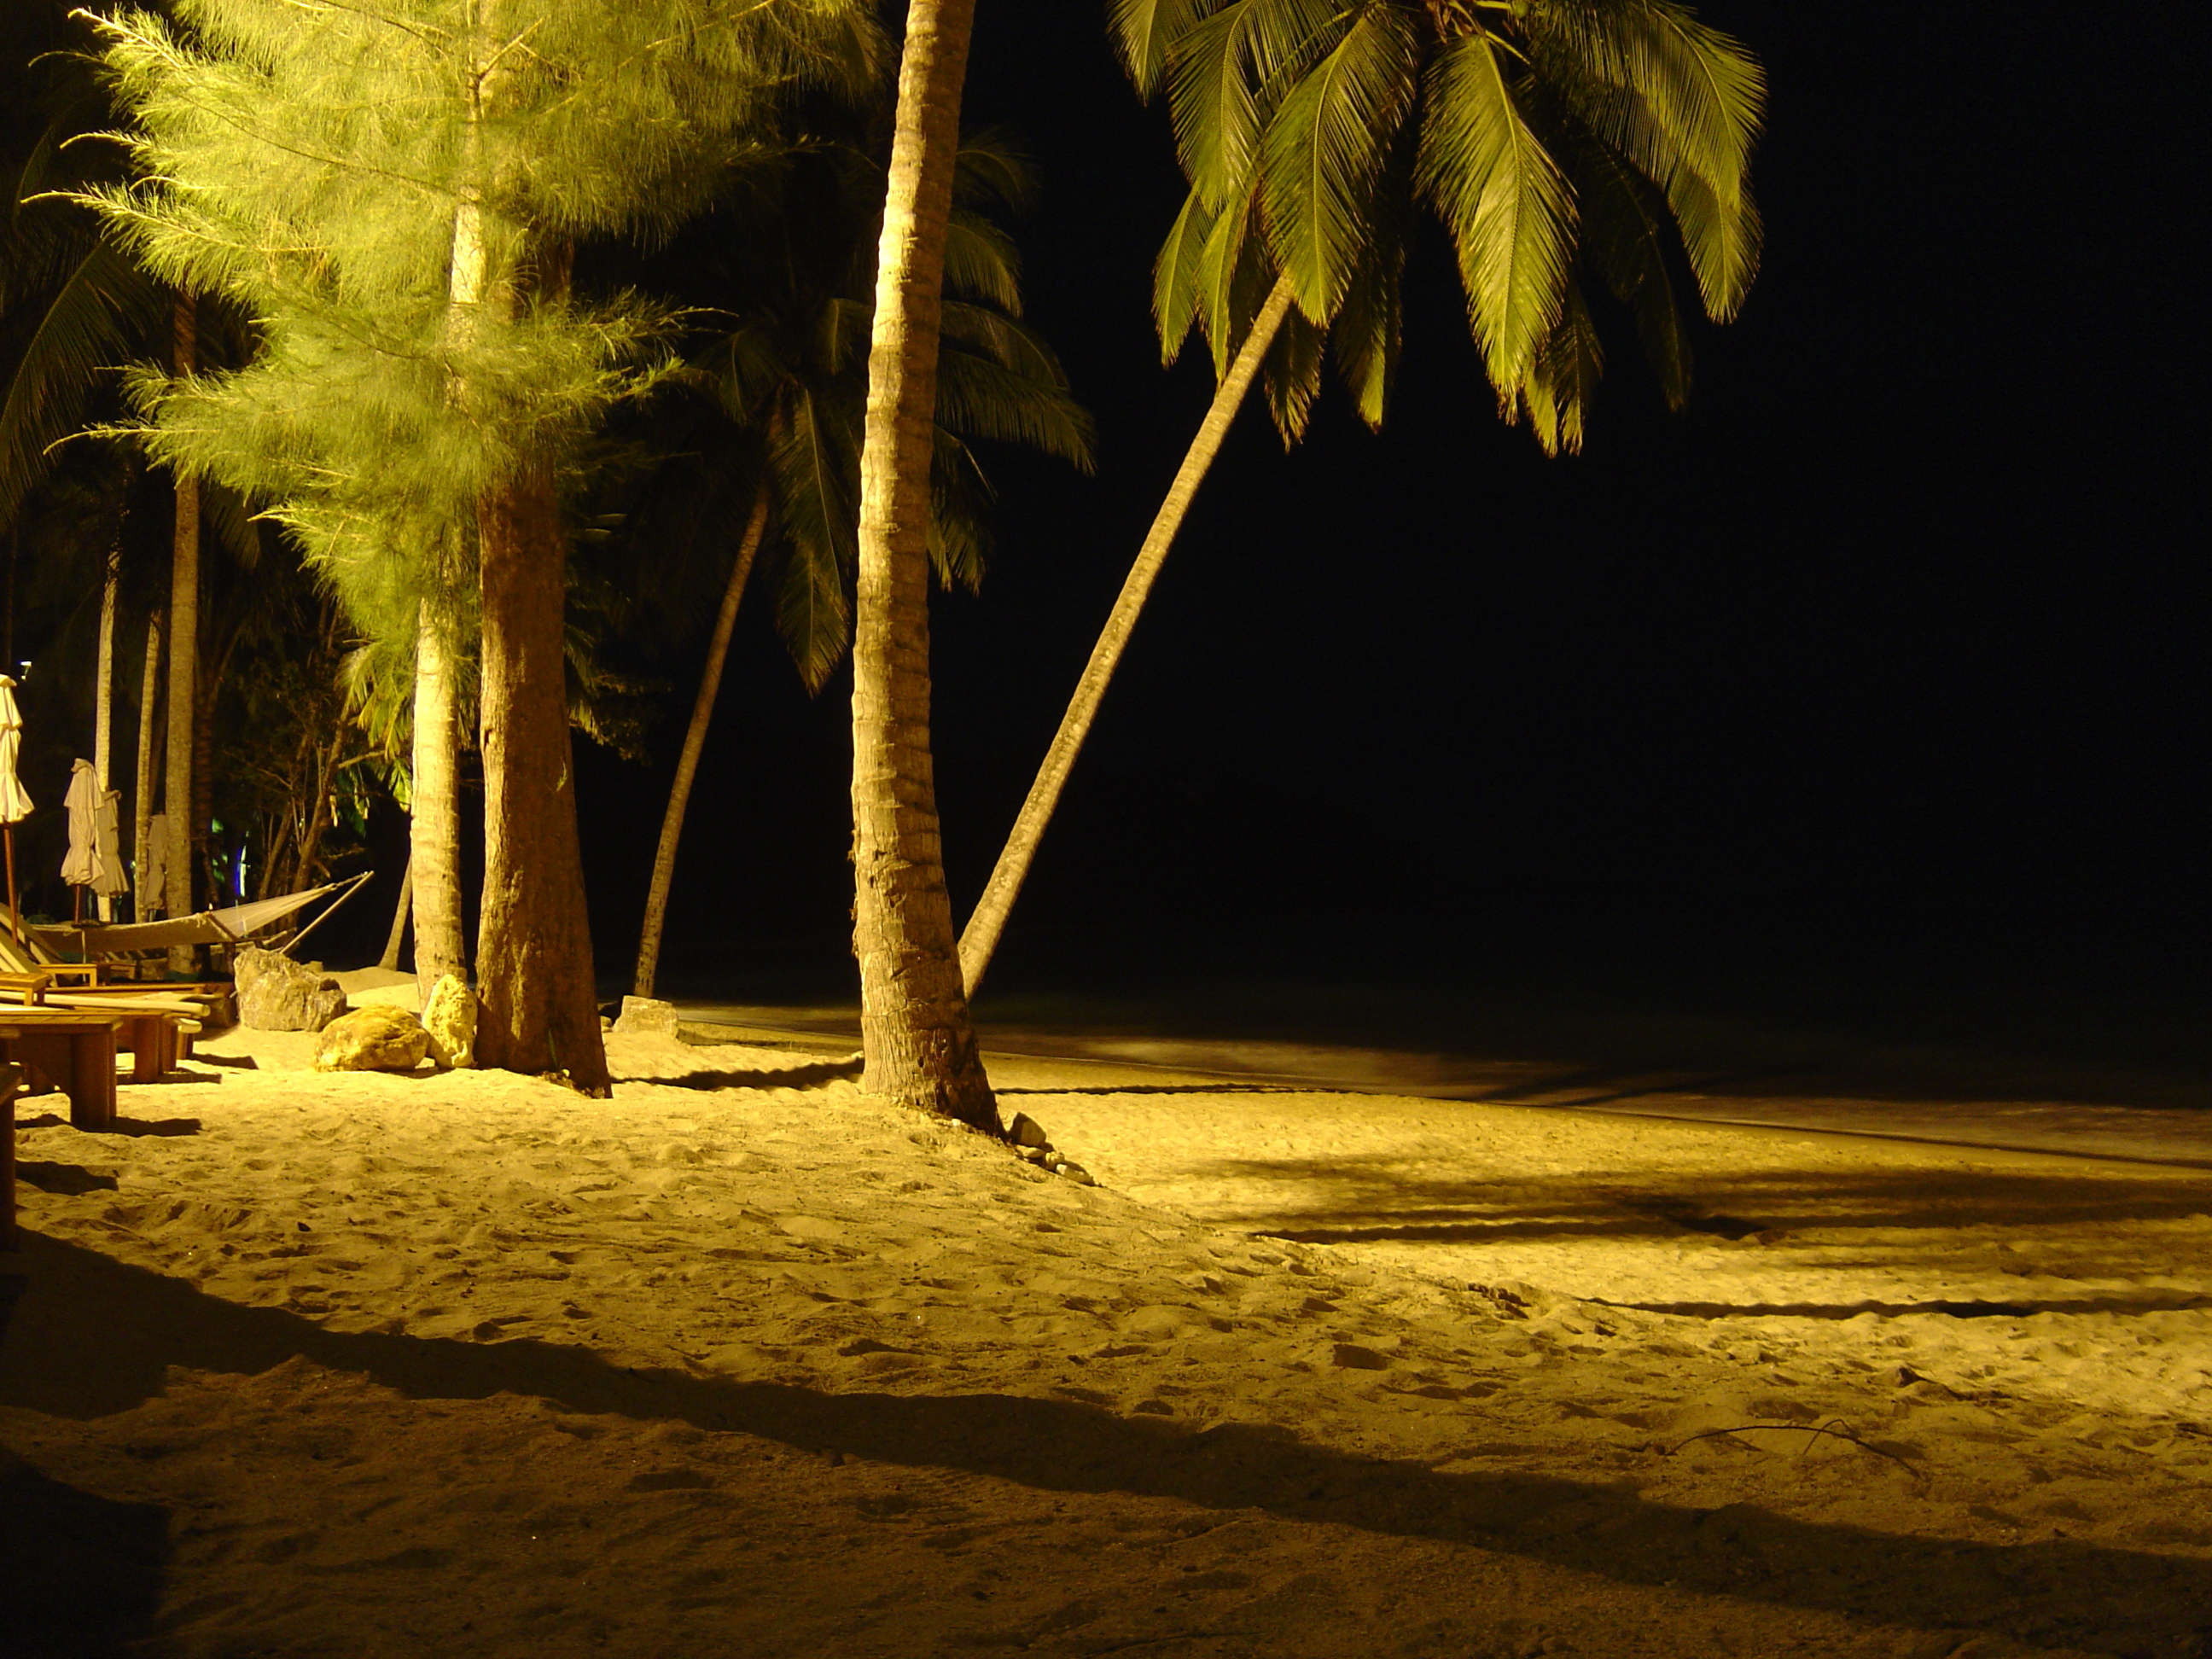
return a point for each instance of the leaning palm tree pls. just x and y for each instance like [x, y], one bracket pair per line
[1562, 143]
[915, 1033]
[780, 439]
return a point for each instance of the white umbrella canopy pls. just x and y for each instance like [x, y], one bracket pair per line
[92, 859]
[15, 803]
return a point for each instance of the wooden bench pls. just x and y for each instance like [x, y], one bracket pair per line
[11, 1079]
[73, 1051]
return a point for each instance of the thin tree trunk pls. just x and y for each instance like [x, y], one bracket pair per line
[988, 919]
[434, 812]
[918, 1042]
[103, 696]
[695, 740]
[540, 1007]
[143, 899]
[184, 649]
[389, 960]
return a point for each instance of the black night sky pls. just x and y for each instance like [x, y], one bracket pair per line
[1883, 662]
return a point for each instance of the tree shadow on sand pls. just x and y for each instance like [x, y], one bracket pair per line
[95, 1337]
[80, 1575]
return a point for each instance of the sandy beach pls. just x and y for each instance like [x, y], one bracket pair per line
[741, 1362]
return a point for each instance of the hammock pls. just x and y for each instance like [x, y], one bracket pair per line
[225, 927]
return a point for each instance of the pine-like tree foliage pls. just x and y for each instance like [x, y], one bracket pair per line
[1562, 143]
[377, 186]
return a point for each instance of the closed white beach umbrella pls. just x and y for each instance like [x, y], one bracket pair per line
[80, 863]
[109, 877]
[15, 804]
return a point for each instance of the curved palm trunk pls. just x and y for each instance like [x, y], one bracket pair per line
[433, 834]
[695, 740]
[144, 899]
[989, 919]
[918, 1044]
[533, 941]
[184, 655]
[398, 937]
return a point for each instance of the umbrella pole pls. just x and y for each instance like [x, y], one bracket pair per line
[14, 916]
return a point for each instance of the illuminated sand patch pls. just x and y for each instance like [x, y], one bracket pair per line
[466, 1365]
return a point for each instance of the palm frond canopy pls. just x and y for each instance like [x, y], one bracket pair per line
[1565, 145]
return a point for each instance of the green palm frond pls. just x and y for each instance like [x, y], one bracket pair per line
[1226, 74]
[1563, 378]
[1369, 330]
[1509, 210]
[1626, 236]
[1324, 149]
[1290, 373]
[979, 398]
[1683, 102]
[1176, 281]
[959, 513]
[1143, 30]
[103, 306]
[1234, 275]
[816, 462]
[981, 261]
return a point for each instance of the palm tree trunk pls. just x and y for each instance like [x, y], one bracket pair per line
[389, 960]
[988, 919]
[918, 1044]
[103, 694]
[695, 740]
[183, 651]
[143, 899]
[433, 861]
[540, 1007]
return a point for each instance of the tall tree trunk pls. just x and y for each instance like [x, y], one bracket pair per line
[534, 941]
[389, 960]
[694, 739]
[918, 1043]
[988, 919]
[143, 899]
[103, 694]
[434, 810]
[183, 652]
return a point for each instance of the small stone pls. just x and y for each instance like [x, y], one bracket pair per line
[647, 1016]
[1076, 1173]
[1352, 1357]
[450, 1018]
[1033, 1154]
[1026, 1131]
[381, 1037]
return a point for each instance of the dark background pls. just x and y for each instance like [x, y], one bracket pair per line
[1877, 677]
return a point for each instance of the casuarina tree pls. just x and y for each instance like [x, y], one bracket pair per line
[1566, 146]
[391, 190]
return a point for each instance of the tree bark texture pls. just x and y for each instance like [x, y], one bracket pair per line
[103, 696]
[184, 635]
[144, 901]
[398, 937]
[434, 810]
[980, 939]
[695, 740]
[540, 1007]
[918, 1043]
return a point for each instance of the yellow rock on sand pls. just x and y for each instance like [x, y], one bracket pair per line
[378, 1038]
[450, 1019]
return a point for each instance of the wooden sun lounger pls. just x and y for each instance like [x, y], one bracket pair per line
[73, 1051]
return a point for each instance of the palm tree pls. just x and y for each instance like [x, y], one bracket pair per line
[918, 1043]
[781, 438]
[1560, 144]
